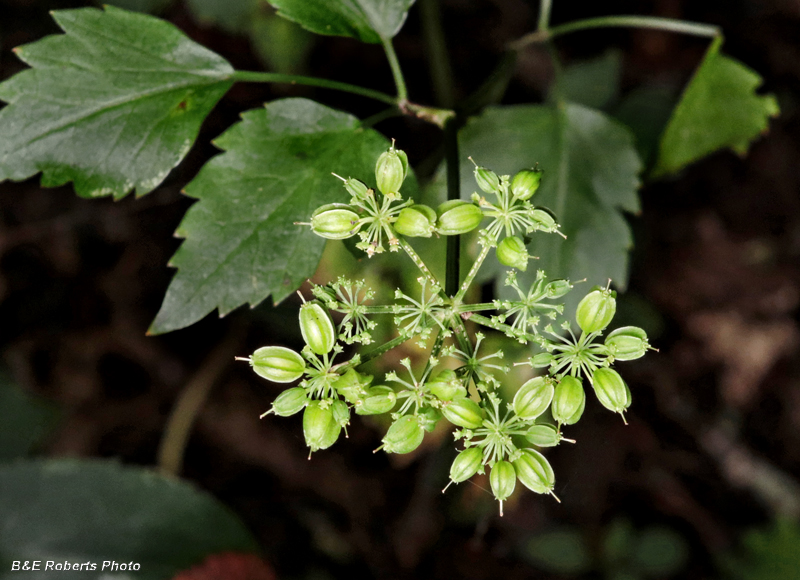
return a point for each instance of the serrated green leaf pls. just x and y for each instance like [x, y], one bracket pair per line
[91, 511]
[367, 20]
[591, 173]
[113, 104]
[718, 109]
[242, 244]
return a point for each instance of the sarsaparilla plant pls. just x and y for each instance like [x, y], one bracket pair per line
[503, 436]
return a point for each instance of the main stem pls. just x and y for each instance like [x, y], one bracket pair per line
[453, 273]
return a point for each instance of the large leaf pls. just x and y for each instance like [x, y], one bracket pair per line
[91, 511]
[367, 20]
[718, 109]
[242, 243]
[590, 176]
[113, 104]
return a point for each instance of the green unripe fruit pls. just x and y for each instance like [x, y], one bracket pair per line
[391, 170]
[611, 390]
[341, 413]
[535, 472]
[466, 464]
[376, 401]
[352, 385]
[543, 436]
[278, 364]
[463, 412]
[569, 401]
[533, 398]
[525, 183]
[290, 401]
[596, 310]
[356, 188]
[558, 288]
[446, 386]
[320, 429]
[541, 360]
[544, 220]
[428, 417]
[335, 221]
[317, 327]
[417, 221]
[487, 180]
[403, 436]
[627, 343]
[503, 480]
[458, 217]
[512, 252]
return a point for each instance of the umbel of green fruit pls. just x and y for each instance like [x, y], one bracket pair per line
[335, 221]
[416, 221]
[403, 436]
[533, 398]
[277, 364]
[463, 412]
[320, 429]
[391, 170]
[596, 309]
[457, 217]
[317, 328]
[512, 252]
[569, 400]
[525, 183]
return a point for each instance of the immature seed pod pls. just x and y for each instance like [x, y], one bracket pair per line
[627, 343]
[463, 412]
[558, 288]
[335, 221]
[356, 188]
[278, 364]
[611, 390]
[317, 327]
[503, 480]
[341, 413]
[487, 180]
[391, 170]
[569, 400]
[376, 401]
[403, 436]
[544, 220]
[543, 436]
[541, 360]
[466, 464]
[535, 472]
[525, 183]
[428, 417]
[352, 385]
[458, 217]
[533, 398]
[289, 402]
[512, 252]
[446, 386]
[596, 309]
[416, 221]
[320, 429]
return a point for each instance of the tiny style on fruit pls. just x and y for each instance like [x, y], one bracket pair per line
[503, 436]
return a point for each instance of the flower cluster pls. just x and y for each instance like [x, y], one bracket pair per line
[459, 381]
